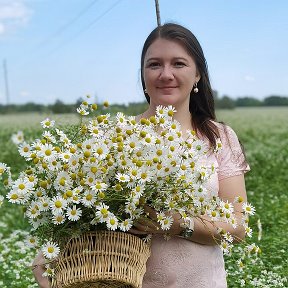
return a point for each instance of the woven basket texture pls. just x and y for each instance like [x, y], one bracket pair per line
[102, 259]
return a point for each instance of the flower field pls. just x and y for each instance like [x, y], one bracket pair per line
[264, 134]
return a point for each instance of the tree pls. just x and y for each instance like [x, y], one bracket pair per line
[225, 103]
[248, 102]
[276, 101]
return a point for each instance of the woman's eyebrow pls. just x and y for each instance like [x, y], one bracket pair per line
[158, 58]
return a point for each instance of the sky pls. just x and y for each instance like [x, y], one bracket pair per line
[67, 49]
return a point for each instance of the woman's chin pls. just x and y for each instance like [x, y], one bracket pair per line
[167, 100]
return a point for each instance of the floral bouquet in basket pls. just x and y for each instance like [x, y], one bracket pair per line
[99, 175]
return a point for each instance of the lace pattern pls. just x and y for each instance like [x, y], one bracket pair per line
[231, 160]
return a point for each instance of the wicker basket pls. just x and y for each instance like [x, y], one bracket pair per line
[102, 259]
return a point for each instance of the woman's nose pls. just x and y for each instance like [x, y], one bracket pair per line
[166, 73]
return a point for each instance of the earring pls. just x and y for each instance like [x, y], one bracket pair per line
[195, 88]
[145, 91]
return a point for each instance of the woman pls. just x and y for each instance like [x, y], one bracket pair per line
[174, 72]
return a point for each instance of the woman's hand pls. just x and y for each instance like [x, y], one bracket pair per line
[150, 225]
[38, 270]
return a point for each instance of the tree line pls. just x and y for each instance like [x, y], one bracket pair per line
[224, 102]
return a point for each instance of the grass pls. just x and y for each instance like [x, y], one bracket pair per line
[263, 132]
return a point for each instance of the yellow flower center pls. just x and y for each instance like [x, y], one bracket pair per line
[58, 204]
[21, 186]
[14, 196]
[50, 249]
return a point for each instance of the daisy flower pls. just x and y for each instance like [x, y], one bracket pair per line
[73, 213]
[89, 198]
[112, 223]
[166, 223]
[58, 218]
[214, 215]
[248, 231]
[49, 271]
[82, 110]
[225, 247]
[90, 179]
[170, 111]
[238, 199]
[47, 135]
[65, 156]
[103, 212]
[3, 168]
[32, 212]
[126, 225]
[63, 181]
[199, 146]
[73, 162]
[47, 123]
[17, 138]
[57, 204]
[121, 119]
[63, 138]
[100, 151]
[248, 209]
[50, 250]
[15, 196]
[23, 185]
[44, 204]
[95, 131]
[160, 110]
[228, 237]
[31, 241]
[47, 152]
[227, 207]
[99, 186]
[24, 150]
[218, 146]
[122, 177]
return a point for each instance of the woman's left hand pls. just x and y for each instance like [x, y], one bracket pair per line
[150, 225]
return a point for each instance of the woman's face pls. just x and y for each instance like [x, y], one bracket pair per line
[169, 73]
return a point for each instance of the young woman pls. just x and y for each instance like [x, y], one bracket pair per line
[174, 72]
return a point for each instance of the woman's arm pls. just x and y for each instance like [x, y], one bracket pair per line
[205, 232]
[229, 188]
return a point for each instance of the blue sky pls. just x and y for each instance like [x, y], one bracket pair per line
[65, 49]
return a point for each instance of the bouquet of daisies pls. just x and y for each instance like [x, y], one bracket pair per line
[100, 174]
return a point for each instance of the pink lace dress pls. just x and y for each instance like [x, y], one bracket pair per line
[184, 264]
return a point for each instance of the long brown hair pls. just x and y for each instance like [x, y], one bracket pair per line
[201, 104]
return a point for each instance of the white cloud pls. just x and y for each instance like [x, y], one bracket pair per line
[24, 93]
[249, 78]
[13, 14]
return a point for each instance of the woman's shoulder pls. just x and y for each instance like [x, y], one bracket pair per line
[226, 133]
[231, 158]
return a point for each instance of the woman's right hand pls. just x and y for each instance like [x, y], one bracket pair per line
[38, 270]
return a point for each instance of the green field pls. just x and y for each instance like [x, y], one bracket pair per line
[264, 134]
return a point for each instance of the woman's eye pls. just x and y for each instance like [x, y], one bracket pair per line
[154, 65]
[179, 64]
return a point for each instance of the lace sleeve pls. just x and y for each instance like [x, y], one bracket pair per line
[231, 159]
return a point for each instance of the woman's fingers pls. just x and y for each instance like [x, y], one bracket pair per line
[38, 270]
[151, 212]
[137, 232]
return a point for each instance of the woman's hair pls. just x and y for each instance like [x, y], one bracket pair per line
[201, 104]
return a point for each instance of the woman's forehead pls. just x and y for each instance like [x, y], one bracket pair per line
[164, 47]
